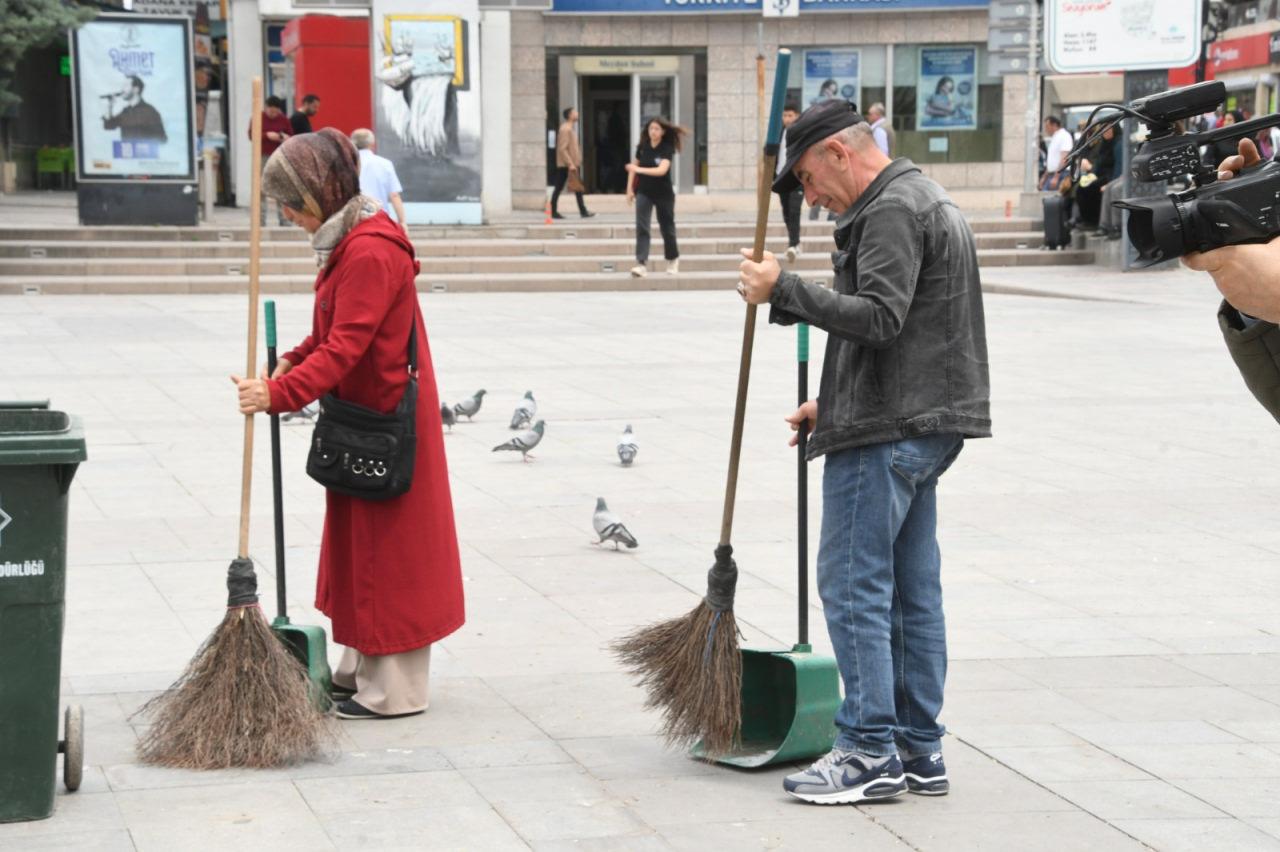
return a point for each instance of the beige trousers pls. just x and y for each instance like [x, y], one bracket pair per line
[388, 685]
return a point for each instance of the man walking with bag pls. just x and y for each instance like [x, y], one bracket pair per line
[904, 383]
[569, 165]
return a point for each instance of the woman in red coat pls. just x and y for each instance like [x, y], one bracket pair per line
[390, 579]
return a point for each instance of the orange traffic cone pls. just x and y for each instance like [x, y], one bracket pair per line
[547, 220]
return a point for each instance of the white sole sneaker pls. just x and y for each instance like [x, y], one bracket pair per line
[639, 271]
[874, 790]
[792, 254]
[673, 267]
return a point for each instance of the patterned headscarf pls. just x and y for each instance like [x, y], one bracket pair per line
[319, 173]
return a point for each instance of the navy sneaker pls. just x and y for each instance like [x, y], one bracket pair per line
[927, 775]
[843, 778]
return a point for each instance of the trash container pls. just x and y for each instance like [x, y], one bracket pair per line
[39, 452]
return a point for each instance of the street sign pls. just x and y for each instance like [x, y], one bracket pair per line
[781, 8]
[1121, 35]
[1009, 39]
[1000, 64]
[1010, 12]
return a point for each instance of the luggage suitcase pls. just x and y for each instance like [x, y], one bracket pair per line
[1057, 222]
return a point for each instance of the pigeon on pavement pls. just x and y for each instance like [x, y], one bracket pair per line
[469, 408]
[307, 412]
[627, 447]
[609, 527]
[524, 412]
[447, 417]
[525, 441]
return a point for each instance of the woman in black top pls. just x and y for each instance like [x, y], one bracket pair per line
[649, 188]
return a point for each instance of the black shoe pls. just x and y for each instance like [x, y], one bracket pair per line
[556, 216]
[341, 693]
[586, 215]
[351, 709]
[927, 775]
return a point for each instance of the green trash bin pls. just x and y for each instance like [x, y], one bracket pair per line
[39, 452]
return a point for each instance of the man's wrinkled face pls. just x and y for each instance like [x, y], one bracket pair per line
[823, 171]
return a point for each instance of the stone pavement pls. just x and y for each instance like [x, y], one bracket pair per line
[1110, 557]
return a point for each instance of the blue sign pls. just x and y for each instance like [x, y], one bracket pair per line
[706, 7]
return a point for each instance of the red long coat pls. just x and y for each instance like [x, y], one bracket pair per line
[390, 577]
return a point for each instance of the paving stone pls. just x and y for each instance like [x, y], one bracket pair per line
[1000, 832]
[1176, 835]
[247, 815]
[1141, 799]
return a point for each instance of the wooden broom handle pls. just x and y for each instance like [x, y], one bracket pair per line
[748, 342]
[255, 260]
[764, 191]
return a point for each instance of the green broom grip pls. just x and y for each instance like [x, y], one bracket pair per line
[782, 69]
[270, 310]
[802, 342]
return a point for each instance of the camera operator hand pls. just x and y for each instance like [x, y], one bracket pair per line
[1248, 276]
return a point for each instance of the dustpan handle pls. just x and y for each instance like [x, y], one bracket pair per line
[802, 487]
[277, 471]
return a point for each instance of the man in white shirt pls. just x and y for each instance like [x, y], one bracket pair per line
[1055, 161]
[378, 175]
[881, 132]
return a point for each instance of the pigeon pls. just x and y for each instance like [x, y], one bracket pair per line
[609, 527]
[307, 412]
[469, 408]
[627, 447]
[525, 441]
[524, 412]
[447, 417]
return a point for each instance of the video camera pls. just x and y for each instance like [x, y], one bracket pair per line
[1209, 215]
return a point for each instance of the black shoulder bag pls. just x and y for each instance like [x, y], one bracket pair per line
[359, 452]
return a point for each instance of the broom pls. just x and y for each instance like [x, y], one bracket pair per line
[244, 699]
[691, 667]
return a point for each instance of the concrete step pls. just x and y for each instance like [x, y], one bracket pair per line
[238, 252]
[569, 229]
[809, 262]
[430, 281]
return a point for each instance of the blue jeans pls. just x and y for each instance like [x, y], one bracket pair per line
[879, 578]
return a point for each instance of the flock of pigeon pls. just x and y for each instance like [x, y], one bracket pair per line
[608, 526]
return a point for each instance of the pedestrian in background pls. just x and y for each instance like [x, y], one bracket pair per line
[569, 165]
[301, 120]
[881, 130]
[792, 200]
[390, 577]
[275, 130]
[378, 178]
[1055, 158]
[650, 189]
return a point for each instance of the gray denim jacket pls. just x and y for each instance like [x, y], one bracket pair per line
[906, 346]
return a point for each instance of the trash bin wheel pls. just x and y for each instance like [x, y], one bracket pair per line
[73, 748]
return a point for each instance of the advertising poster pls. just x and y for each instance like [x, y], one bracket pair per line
[947, 89]
[1121, 35]
[133, 98]
[830, 74]
[426, 102]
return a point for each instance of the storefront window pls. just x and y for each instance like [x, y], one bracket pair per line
[855, 73]
[946, 108]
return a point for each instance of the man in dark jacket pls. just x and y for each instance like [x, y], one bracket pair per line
[300, 121]
[1248, 276]
[904, 382]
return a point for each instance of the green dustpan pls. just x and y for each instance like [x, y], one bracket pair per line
[789, 698]
[306, 641]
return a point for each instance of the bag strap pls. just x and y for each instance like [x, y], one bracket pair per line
[413, 345]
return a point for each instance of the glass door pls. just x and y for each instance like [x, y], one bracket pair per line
[653, 97]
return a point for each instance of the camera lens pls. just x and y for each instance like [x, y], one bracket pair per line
[1155, 228]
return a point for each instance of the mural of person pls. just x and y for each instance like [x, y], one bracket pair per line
[419, 97]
